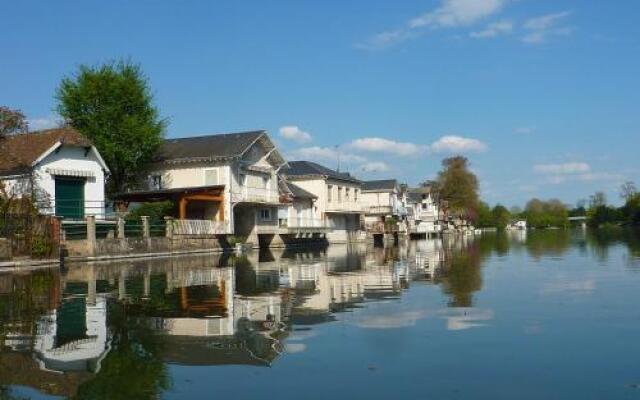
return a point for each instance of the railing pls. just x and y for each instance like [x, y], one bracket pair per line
[381, 227]
[349, 206]
[73, 209]
[255, 194]
[199, 227]
[427, 215]
[299, 223]
[380, 210]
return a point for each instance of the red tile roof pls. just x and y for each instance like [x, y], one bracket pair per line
[18, 152]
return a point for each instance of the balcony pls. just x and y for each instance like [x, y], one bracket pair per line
[380, 210]
[344, 206]
[302, 225]
[382, 227]
[255, 195]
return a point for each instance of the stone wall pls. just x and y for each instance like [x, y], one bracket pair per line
[5, 249]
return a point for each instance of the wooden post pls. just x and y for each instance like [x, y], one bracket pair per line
[120, 228]
[91, 235]
[183, 208]
[146, 231]
[168, 227]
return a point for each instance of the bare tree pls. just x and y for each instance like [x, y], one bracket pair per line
[628, 190]
[12, 121]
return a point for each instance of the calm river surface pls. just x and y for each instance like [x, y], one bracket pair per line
[537, 315]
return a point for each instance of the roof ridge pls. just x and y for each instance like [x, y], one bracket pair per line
[208, 135]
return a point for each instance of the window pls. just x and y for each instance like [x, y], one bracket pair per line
[265, 214]
[242, 180]
[330, 193]
[156, 182]
[355, 194]
[346, 193]
[266, 182]
[424, 206]
[339, 194]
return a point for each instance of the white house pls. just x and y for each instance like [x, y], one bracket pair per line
[339, 198]
[423, 211]
[60, 168]
[227, 179]
[382, 200]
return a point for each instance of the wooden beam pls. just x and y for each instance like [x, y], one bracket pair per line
[183, 208]
[203, 197]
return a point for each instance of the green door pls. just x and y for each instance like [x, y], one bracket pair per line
[70, 198]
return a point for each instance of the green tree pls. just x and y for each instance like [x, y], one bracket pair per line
[485, 217]
[113, 106]
[501, 216]
[544, 214]
[12, 121]
[458, 185]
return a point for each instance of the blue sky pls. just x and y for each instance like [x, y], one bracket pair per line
[542, 96]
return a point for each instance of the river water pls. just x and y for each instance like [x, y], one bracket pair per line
[527, 315]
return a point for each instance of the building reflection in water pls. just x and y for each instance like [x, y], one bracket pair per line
[80, 331]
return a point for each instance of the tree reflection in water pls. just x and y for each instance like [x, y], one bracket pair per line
[201, 311]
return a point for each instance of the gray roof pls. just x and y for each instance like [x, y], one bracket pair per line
[311, 169]
[380, 185]
[299, 192]
[294, 190]
[210, 147]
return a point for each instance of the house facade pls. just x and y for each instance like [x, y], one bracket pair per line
[59, 168]
[423, 211]
[339, 198]
[383, 201]
[227, 179]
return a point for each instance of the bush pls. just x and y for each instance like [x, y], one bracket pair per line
[155, 211]
[41, 246]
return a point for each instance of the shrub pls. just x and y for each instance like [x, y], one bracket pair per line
[156, 210]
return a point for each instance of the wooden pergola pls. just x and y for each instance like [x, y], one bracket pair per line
[181, 196]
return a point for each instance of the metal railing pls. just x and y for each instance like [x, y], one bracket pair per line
[74, 209]
[349, 206]
[255, 195]
[199, 227]
[295, 223]
[379, 210]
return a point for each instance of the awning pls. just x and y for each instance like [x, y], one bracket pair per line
[77, 173]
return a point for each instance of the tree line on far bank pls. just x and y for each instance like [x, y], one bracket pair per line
[457, 188]
[600, 213]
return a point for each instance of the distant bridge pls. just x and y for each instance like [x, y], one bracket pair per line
[582, 218]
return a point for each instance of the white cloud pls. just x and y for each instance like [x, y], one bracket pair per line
[541, 28]
[457, 144]
[295, 347]
[392, 321]
[494, 29]
[575, 172]
[450, 14]
[36, 124]
[375, 166]
[381, 145]
[562, 169]
[459, 319]
[454, 13]
[317, 153]
[525, 130]
[545, 21]
[294, 133]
